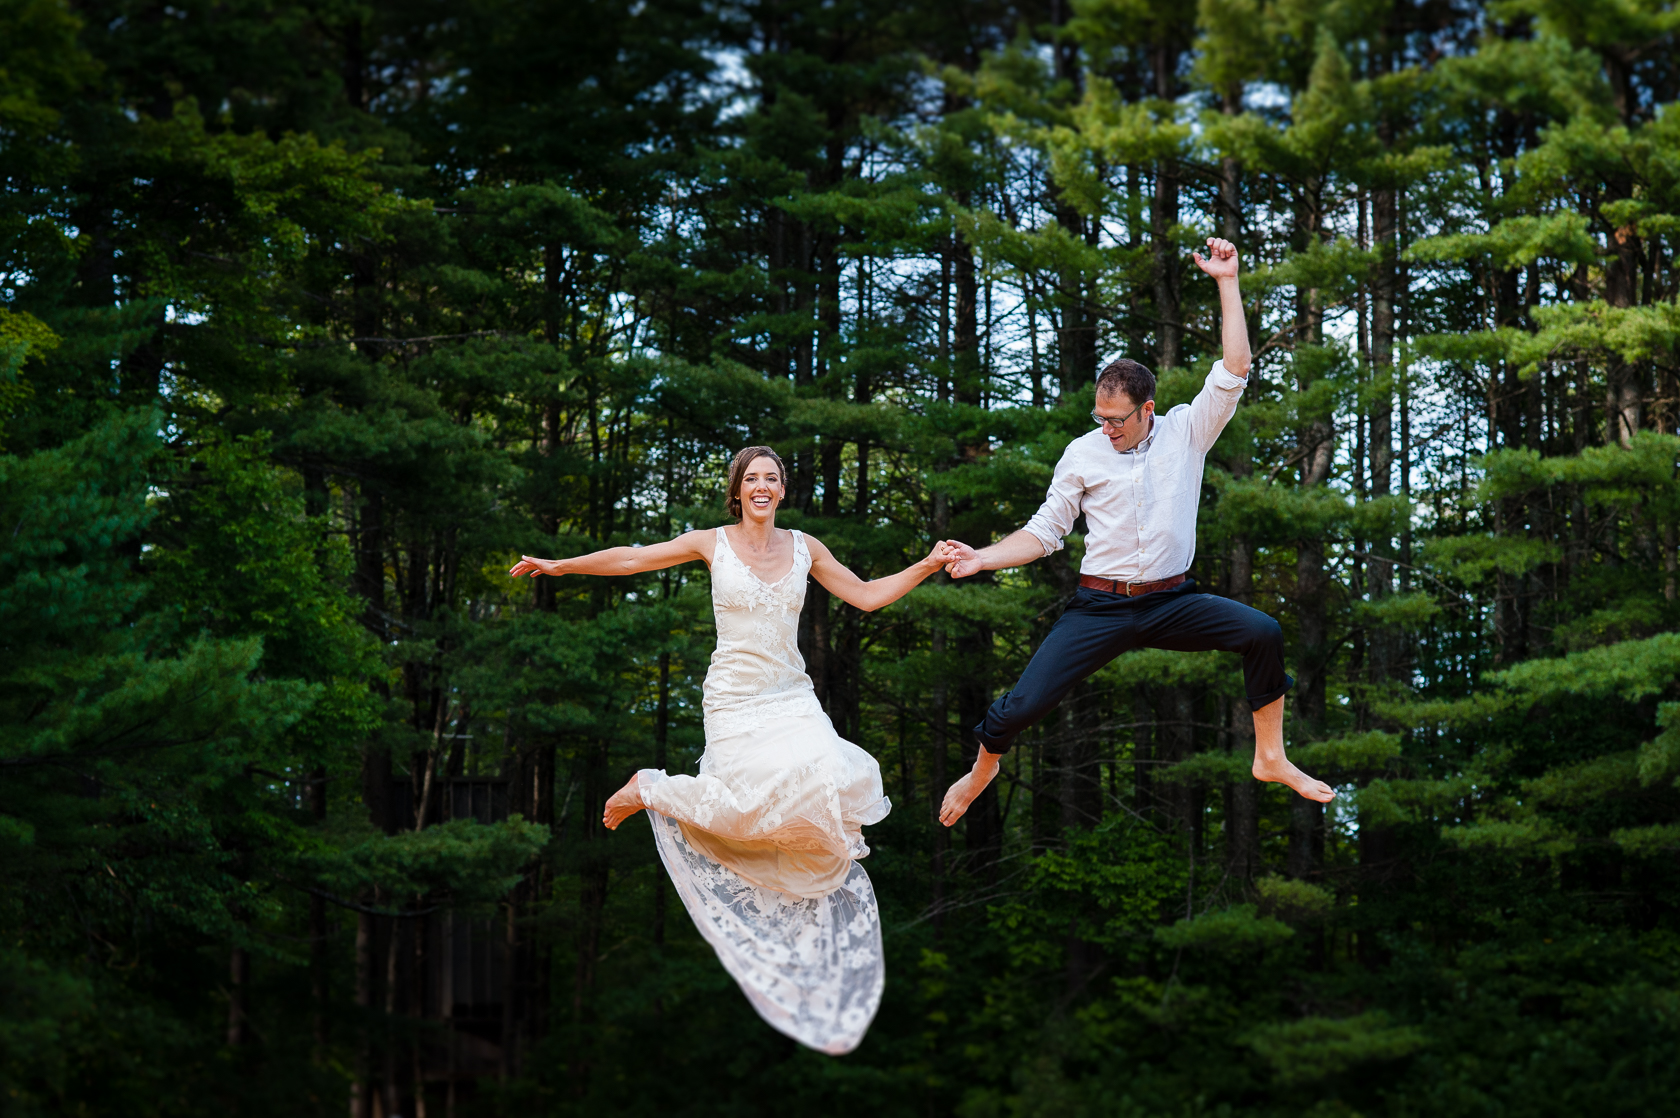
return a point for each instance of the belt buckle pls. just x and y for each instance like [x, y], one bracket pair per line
[1129, 593]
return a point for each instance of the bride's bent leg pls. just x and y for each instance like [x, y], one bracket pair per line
[623, 803]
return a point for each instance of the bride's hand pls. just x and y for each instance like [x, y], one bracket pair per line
[531, 565]
[940, 555]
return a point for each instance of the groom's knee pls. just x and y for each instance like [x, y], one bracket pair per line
[1262, 634]
[1014, 709]
[1012, 712]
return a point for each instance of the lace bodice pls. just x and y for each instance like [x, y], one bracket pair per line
[757, 665]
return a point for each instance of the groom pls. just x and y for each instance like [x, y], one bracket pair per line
[1136, 478]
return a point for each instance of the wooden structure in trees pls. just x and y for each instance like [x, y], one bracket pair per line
[450, 998]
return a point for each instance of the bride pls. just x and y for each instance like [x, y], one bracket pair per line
[762, 846]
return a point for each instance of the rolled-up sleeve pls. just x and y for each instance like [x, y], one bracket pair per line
[1054, 518]
[1214, 405]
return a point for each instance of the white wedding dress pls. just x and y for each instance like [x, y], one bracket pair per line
[762, 846]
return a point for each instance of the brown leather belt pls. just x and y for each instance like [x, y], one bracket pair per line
[1128, 589]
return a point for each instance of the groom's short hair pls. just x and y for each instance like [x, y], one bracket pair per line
[1127, 376]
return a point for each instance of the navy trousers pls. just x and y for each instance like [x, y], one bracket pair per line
[1098, 626]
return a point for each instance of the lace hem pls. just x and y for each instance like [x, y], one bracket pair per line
[812, 968]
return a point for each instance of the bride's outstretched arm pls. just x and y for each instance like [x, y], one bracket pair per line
[624, 560]
[838, 579]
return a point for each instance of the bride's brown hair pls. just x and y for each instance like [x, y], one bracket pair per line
[738, 469]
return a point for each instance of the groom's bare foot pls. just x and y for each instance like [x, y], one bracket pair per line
[1283, 772]
[622, 804]
[964, 791]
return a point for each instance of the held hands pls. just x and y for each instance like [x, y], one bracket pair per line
[941, 554]
[1221, 260]
[530, 565]
[962, 560]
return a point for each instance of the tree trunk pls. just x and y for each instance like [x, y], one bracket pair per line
[1242, 797]
[1163, 215]
[1306, 835]
[661, 737]
[361, 1088]
[1384, 290]
[1076, 330]
[593, 877]
[239, 980]
[1163, 219]
[318, 930]
[938, 777]
[1078, 752]
[1315, 440]
[1242, 802]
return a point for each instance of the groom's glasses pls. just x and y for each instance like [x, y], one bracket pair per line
[1111, 421]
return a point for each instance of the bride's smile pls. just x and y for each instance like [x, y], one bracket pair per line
[761, 491]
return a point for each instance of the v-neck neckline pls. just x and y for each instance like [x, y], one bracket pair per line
[724, 532]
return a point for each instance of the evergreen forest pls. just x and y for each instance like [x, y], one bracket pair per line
[315, 315]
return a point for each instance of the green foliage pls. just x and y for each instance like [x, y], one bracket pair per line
[1316, 1048]
[1109, 886]
[1236, 931]
[314, 318]
[472, 864]
[1294, 901]
[46, 1010]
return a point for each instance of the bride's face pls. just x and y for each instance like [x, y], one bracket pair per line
[761, 489]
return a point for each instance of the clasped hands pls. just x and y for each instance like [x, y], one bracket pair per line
[960, 559]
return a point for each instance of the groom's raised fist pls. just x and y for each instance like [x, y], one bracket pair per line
[1221, 260]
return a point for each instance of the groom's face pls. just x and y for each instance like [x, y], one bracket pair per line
[1116, 406]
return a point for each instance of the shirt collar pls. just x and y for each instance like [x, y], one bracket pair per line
[1147, 439]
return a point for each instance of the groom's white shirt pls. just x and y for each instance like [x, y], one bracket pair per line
[1139, 506]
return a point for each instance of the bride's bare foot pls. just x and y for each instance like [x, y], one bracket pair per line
[622, 804]
[1283, 772]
